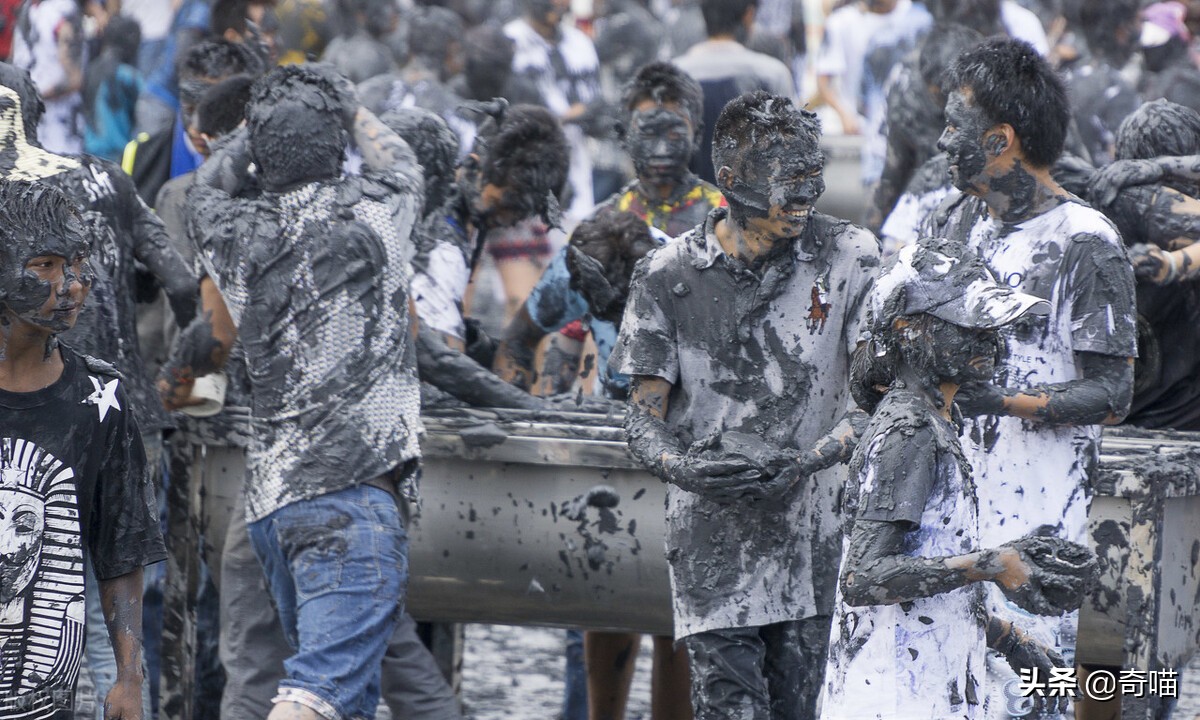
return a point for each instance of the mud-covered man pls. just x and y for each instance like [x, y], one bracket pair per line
[738, 337]
[315, 275]
[662, 127]
[1035, 437]
[73, 473]
[911, 630]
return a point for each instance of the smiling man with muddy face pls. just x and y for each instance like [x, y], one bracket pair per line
[1034, 433]
[738, 337]
[73, 473]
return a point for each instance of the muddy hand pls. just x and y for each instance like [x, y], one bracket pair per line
[1150, 263]
[1045, 575]
[979, 398]
[1108, 182]
[715, 478]
[1023, 652]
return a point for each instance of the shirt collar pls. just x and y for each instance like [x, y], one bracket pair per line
[708, 247]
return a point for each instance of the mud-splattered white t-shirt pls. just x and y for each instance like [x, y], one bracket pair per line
[764, 353]
[924, 659]
[1033, 474]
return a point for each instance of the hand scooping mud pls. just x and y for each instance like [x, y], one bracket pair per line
[1023, 652]
[1045, 575]
[979, 398]
[735, 466]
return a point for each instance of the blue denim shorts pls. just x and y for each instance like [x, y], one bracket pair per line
[337, 568]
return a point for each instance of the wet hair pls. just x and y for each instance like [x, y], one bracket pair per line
[223, 106]
[431, 31]
[228, 15]
[983, 15]
[1099, 23]
[210, 61]
[123, 35]
[755, 120]
[18, 80]
[941, 47]
[32, 209]
[489, 55]
[664, 82]
[296, 104]
[722, 17]
[528, 155]
[615, 239]
[436, 148]
[1159, 128]
[1012, 84]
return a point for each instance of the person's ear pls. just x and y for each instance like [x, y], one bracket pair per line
[999, 139]
[725, 177]
[748, 17]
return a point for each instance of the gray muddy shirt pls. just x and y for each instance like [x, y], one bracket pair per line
[317, 281]
[767, 355]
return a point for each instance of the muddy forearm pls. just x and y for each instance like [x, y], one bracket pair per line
[382, 149]
[1102, 395]
[121, 600]
[455, 373]
[878, 573]
[650, 440]
[838, 445]
[202, 347]
[515, 354]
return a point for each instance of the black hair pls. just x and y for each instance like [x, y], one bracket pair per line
[123, 35]
[33, 209]
[296, 148]
[489, 55]
[1159, 128]
[527, 154]
[1099, 23]
[755, 120]
[207, 62]
[18, 80]
[983, 15]
[724, 17]
[436, 148]
[431, 31]
[1012, 84]
[228, 15]
[941, 46]
[617, 241]
[664, 82]
[223, 106]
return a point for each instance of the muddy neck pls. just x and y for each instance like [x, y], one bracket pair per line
[28, 360]
[743, 243]
[1023, 193]
[666, 193]
[939, 394]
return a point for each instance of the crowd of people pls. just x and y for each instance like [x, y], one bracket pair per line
[244, 240]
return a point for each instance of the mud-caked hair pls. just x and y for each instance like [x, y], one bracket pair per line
[755, 121]
[434, 144]
[207, 62]
[664, 82]
[278, 101]
[32, 209]
[223, 107]
[527, 153]
[1159, 128]
[431, 30]
[723, 17]
[1012, 84]
[18, 80]
[940, 49]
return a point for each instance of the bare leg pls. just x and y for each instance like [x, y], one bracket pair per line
[671, 682]
[610, 661]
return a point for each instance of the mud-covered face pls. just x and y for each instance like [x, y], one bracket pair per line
[550, 12]
[955, 354]
[962, 141]
[22, 526]
[774, 188]
[659, 139]
[47, 279]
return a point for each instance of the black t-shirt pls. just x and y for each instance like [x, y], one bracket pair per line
[72, 475]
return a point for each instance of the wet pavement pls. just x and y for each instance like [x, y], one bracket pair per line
[518, 672]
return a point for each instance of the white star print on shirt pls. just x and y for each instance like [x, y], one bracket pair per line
[104, 396]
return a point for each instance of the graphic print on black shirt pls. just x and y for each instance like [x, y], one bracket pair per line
[72, 471]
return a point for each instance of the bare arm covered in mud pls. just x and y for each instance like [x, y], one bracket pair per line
[121, 601]
[1102, 394]
[1111, 179]
[1044, 575]
[202, 348]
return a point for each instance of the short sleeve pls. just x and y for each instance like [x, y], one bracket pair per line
[123, 531]
[898, 477]
[1100, 296]
[866, 267]
[552, 305]
[646, 344]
